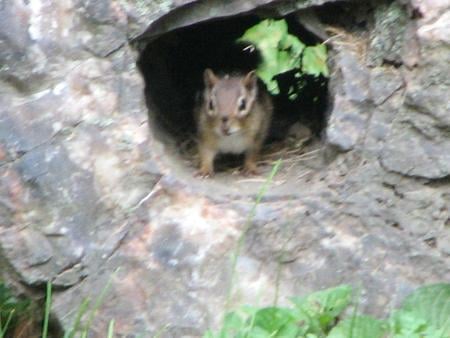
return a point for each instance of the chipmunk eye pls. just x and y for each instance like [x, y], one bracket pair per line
[211, 105]
[242, 104]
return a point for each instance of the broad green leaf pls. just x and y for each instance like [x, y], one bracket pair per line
[209, 334]
[324, 306]
[254, 332]
[232, 325]
[406, 323]
[424, 314]
[315, 60]
[266, 30]
[431, 304]
[280, 51]
[408, 335]
[431, 332]
[358, 327]
[277, 322]
[295, 46]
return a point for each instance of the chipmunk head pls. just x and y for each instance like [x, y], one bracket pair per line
[229, 100]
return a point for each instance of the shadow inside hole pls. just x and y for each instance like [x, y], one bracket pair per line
[173, 65]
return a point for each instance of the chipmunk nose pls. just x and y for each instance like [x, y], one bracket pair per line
[224, 119]
[225, 129]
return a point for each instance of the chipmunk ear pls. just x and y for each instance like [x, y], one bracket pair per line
[210, 78]
[250, 80]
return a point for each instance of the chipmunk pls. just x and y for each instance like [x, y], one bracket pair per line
[233, 117]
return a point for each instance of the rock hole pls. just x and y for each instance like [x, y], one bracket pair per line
[172, 65]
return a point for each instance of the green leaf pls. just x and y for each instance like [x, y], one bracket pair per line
[425, 313]
[324, 306]
[254, 332]
[315, 60]
[432, 304]
[405, 322]
[232, 325]
[277, 322]
[209, 334]
[280, 51]
[358, 327]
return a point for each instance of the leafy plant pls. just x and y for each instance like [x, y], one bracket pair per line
[283, 52]
[323, 307]
[424, 314]
[359, 327]
[11, 309]
[310, 317]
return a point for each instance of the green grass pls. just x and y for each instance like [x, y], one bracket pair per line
[111, 329]
[48, 302]
[12, 308]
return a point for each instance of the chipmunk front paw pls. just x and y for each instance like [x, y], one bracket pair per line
[204, 173]
[250, 169]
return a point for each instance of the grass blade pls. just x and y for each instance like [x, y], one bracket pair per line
[76, 325]
[111, 329]
[48, 301]
[98, 303]
[248, 222]
[5, 328]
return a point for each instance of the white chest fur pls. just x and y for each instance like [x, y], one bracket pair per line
[234, 144]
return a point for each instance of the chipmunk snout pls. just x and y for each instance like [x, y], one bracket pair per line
[226, 130]
[224, 119]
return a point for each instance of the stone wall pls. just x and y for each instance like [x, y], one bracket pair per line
[87, 195]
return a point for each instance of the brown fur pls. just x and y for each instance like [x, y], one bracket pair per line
[234, 117]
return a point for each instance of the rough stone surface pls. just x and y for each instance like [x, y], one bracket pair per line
[388, 36]
[347, 122]
[88, 201]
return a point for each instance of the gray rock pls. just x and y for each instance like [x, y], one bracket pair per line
[387, 38]
[346, 124]
[355, 77]
[380, 123]
[417, 148]
[105, 40]
[444, 243]
[435, 101]
[383, 84]
[18, 62]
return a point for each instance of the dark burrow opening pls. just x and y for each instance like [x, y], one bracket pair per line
[173, 64]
